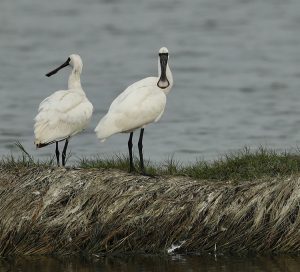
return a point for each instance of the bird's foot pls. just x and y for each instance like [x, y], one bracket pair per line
[132, 169]
[147, 175]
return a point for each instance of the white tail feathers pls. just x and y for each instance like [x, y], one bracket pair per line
[105, 129]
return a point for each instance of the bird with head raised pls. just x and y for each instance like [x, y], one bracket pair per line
[140, 104]
[64, 113]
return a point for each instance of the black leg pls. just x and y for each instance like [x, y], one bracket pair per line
[57, 154]
[140, 145]
[64, 153]
[131, 167]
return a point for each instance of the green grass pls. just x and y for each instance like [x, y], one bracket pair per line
[23, 160]
[115, 162]
[246, 165]
[242, 165]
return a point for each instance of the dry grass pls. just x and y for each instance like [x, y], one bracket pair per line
[48, 210]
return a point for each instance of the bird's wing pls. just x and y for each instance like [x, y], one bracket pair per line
[149, 81]
[140, 106]
[61, 115]
[61, 101]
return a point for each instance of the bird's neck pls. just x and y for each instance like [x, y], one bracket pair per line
[74, 80]
[169, 77]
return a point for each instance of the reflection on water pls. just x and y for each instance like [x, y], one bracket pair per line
[175, 263]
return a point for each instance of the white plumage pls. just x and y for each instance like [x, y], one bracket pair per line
[62, 115]
[140, 104]
[65, 112]
[139, 107]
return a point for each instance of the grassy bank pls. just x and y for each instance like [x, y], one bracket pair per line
[247, 201]
[238, 166]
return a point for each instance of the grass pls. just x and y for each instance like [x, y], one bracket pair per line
[11, 162]
[50, 210]
[97, 211]
[241, 165]
[245, 164]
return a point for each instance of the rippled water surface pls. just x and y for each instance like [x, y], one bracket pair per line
[236, 66]
[175, 263]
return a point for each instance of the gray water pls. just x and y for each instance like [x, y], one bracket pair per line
[175, 263]
[236, 66]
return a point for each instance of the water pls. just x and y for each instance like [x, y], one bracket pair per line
[146, 263]
[236, 66]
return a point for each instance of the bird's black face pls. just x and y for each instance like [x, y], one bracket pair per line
[163, 82]
[58, 68]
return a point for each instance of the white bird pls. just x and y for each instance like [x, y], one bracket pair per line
[139, 105]
[65, 112]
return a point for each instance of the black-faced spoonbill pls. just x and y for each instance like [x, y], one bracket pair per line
[64, 113]
[139, 105]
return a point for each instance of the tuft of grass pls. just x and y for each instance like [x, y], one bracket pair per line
[121, 162]
[23, 160]
[241, 165]
[115, 162]
[247, 165]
